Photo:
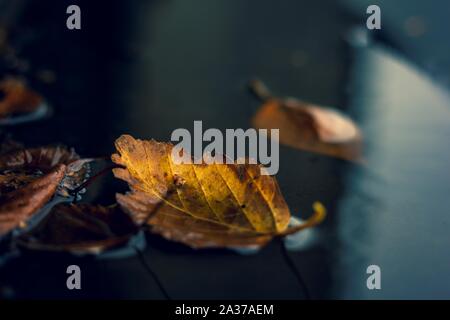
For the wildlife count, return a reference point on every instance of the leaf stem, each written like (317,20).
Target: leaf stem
(259,90)
(317,217)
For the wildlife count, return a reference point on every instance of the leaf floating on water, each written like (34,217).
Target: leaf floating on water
(43,158)
(201,205)
(233,195)
(17,206)
(29,178)
(80,228)
(17,98)
(308,127)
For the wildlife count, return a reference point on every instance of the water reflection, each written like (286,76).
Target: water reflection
(394,212)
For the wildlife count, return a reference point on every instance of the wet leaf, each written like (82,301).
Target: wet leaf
(17,206)
(29,178)
(17,98)
(82,228)
(308,127)
(43,158)
(202,205)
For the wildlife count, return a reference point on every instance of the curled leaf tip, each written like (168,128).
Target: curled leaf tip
(201,205)
(319,214)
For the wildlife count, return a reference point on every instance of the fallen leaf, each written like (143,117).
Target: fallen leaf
(201,205)
(307,126)
(29,178)
(81,228)
(43,158)
(17,98)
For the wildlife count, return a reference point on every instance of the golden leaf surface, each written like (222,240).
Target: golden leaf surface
(199,204)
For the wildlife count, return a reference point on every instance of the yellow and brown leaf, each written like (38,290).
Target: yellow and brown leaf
(202,205)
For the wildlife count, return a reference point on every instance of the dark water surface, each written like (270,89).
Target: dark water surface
(149,67)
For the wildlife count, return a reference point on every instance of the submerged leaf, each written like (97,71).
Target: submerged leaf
(202,205)
(80,228)
(308,127)
(29,178)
